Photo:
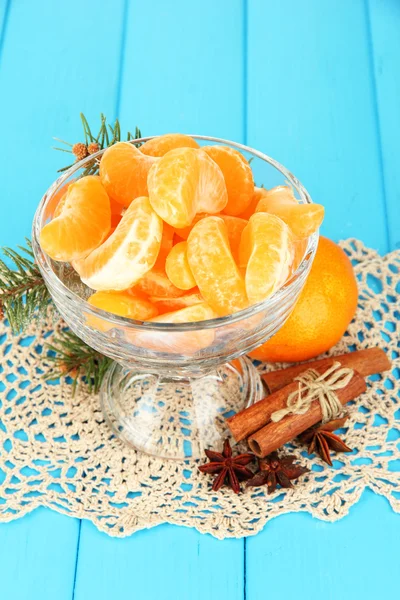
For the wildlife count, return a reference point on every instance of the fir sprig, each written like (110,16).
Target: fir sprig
(106,136)
(71,356)
(23,293)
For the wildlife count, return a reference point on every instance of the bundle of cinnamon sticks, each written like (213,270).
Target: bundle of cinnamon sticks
(265,435)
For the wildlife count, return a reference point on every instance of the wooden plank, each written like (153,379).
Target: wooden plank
(54,64)
(58,59)
(311,79)
(384,27)
(164,562)
(38,557)
(182,71)
(311,105)
(300,557)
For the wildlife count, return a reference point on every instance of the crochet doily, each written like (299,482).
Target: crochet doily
(57,451)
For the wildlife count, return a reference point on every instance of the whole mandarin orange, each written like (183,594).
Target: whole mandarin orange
(325,308)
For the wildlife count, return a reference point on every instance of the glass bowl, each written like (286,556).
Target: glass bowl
(172,386)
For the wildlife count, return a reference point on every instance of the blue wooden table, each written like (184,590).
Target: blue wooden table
(314,83)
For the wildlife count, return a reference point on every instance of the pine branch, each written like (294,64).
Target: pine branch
(71,356)
(107,136)
(23,293)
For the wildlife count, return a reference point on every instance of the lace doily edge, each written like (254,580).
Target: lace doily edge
(128,523)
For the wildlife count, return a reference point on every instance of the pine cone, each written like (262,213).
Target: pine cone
(80,151)
(93,148)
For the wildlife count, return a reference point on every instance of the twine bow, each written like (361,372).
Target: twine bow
(314,386)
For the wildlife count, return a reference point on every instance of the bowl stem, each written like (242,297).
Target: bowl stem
(177,418)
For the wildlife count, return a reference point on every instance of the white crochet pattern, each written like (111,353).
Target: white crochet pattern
(57,451)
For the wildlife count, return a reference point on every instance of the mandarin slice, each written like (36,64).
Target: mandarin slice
(128,253)
(116,209)
(259,193)
(115,220)
(214,268)
(54,205)
(123,304)
(167,241)
(60,205)
(184,231)
(83,222)
(183,183)
(238,177)
(196,312)
(123,172)
(300,247)
(156,283)
(171,304)
(234,227)
(180,342)
(303,219)
(159,146)
(266,250)
(177,267)
(176,239)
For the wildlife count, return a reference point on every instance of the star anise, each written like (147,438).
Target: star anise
(277,470)
(322,439)
(229,469)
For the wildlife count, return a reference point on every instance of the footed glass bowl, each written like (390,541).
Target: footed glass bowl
(172,386)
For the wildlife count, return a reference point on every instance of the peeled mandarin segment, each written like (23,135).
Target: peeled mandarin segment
(82,224)
(176,239)
(190,314)
(300,247)
(303,219)
(116,209)
(164,143)
(177,267)
(165,305)
(115,220)
(180,342)
(156,283)
(238,177)
(183,183)
(234,227)
(166,245)
(267,248)
(59,207)
(214,268)
(251,209)
(129,252)
(123,304)
(54,205)
(123,172)
(184,232)
(283,193)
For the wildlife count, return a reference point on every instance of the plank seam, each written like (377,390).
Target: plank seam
(77,558)
(244,568)
(375,103)
(4,26)
(121,68)
(245,69)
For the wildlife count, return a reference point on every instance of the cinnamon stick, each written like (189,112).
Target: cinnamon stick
(275,434)
(257,415)
(366,362)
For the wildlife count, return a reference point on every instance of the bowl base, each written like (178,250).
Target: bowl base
(177,418)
